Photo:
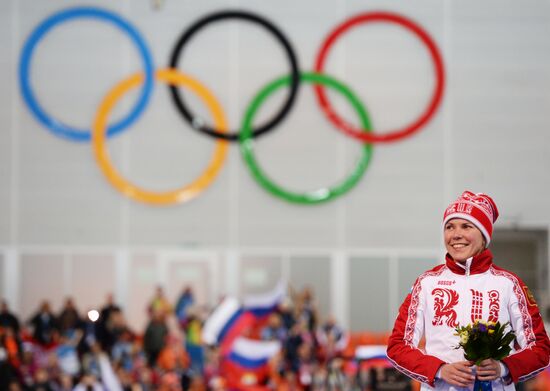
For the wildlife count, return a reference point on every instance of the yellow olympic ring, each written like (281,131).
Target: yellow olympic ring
(183,194)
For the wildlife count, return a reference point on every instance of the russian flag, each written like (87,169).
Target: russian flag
(225,324)
(250,353)
(217,324)
(247,364)
(261,305)
(229,320)
(372,356)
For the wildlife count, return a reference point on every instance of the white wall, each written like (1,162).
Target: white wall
(489,135)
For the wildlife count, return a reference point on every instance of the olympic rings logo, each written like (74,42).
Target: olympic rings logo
(245,134)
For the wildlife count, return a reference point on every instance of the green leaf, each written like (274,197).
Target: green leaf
(482,345)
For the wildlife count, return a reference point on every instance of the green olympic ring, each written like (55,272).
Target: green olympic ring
(314,196)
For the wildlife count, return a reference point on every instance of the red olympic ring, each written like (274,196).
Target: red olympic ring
(433,104)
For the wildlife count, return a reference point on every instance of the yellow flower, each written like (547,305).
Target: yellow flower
(491,331)
(463,337)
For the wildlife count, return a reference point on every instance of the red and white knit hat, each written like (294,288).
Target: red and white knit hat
(479,209)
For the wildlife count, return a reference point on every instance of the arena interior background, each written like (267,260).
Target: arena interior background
(65,231)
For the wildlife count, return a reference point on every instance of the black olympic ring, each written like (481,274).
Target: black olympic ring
(195,121)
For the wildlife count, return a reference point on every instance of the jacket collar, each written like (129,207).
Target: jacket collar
(475,265)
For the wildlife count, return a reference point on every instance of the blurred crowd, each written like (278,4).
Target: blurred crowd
(69,350)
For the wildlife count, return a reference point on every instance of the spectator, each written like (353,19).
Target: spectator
(28,364)
(104,326)
(274,329)
(123,350)
(108,308)
(7,369)
(292,345)
(193,346)
(330,338)
(118,329)
(65,383)
(172,357)
(307,365)
(306,309)
(185,301)
(155,335)
(89,336)
(66,353)
(69,319)
(286,311)
(42,381)
(44,324)
(8,319)
(159,304)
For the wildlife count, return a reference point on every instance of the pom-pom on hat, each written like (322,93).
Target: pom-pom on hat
(478,208)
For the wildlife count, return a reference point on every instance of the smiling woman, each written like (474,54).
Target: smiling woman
(468,288)
(462,239)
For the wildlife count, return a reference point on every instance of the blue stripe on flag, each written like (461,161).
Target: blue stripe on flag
(229,325)
(246,362)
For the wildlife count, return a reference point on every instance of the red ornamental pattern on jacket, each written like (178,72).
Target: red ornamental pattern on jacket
(494,305)
(446,299)
(477,305)
(444,302)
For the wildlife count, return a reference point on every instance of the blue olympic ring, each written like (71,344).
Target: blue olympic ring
(57,127)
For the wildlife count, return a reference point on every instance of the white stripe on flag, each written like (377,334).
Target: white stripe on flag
(254,349)
(364,352)
(218,319)
(266,300)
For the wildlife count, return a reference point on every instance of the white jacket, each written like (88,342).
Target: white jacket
(450,295)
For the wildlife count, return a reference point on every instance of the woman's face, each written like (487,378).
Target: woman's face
(462,239)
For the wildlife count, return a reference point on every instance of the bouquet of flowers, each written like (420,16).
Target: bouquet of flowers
(482,340)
